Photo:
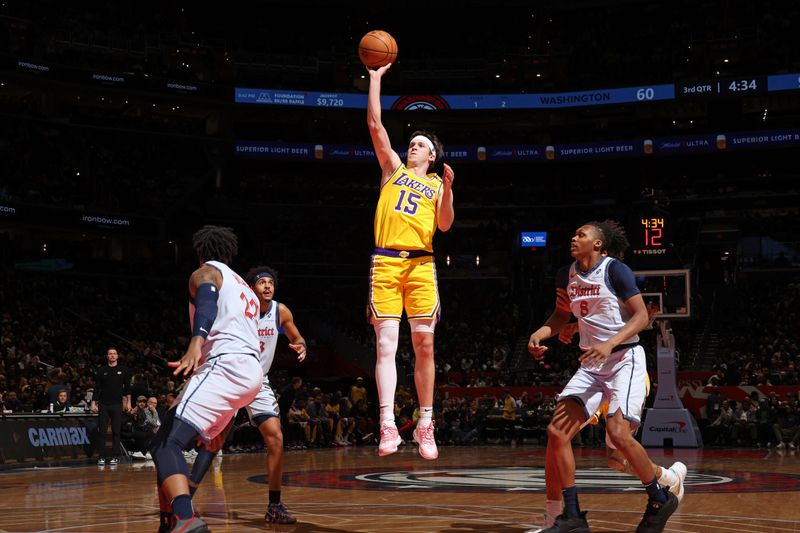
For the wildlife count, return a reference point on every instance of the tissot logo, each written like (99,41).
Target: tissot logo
(524,479)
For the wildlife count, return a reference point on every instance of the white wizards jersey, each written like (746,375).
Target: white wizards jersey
(594,302)
(235,329)
(268,325)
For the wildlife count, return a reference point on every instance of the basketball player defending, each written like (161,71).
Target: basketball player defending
(223,361)
(413,203)
(264,413)
(601,292)
(672,477)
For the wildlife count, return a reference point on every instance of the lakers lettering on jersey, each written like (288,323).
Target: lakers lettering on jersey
(406,215)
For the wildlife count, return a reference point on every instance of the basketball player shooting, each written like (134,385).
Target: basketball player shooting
(413,204)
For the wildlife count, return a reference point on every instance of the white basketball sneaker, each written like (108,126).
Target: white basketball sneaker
(680,470)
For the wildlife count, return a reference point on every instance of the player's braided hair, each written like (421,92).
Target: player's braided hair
(215,243)
(613,236)
(250,277)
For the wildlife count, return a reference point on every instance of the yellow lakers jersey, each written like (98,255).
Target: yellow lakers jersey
(406,217)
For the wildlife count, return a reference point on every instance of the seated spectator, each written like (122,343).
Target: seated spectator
(787,428)
(299,418)
(719,430)
(11,403)
(746,419)
(57,379)
(145,424)
(62,403)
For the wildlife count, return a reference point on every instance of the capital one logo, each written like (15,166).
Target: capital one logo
(673,426)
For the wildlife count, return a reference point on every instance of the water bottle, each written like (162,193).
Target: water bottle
(51,407)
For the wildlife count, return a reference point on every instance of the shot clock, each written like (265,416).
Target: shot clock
(649,236)
(652,232)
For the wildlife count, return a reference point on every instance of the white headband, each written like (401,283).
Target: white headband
(427,141)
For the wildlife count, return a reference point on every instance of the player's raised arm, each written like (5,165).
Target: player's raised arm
(387,158)
(445,211)
(296,341)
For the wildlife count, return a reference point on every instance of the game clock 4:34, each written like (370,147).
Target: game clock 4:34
(651,236)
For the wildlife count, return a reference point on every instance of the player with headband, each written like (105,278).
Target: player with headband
(414,202)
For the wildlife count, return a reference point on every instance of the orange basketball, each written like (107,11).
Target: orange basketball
(377,48)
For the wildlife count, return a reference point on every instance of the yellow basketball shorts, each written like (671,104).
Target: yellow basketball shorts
(397,283)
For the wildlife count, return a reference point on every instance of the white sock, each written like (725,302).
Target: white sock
(386,335)
(425,417)
(387,415)
(668,478)
(552,510)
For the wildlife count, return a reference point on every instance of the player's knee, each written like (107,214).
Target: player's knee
(621,437)
(274,441)
(423,344)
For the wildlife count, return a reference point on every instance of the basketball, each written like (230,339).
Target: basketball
(377,48)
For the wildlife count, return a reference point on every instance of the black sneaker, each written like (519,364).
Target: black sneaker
(277,514)
(569,525)
(656,514)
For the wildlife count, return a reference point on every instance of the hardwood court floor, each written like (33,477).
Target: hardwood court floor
(481,489)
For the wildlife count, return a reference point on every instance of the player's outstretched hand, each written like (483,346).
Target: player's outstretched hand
(190,360)
(537,350)
(596,355)
(378,72)
(448,176)
(301,351)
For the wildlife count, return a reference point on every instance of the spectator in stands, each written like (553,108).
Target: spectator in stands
(714,403)
(358,391)
(145,424)
(717,379)
(746,419)
(57,378)
(315,408)
(287,398)
(298,415)
(11,403)
(61,404)
(509,416)
(720,429)
(787,428)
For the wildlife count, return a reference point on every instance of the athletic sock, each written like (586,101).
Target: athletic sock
(655,492)
(274,496)
(425,417)
(387,415)
(553,509)
(571,507)
(182,506)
